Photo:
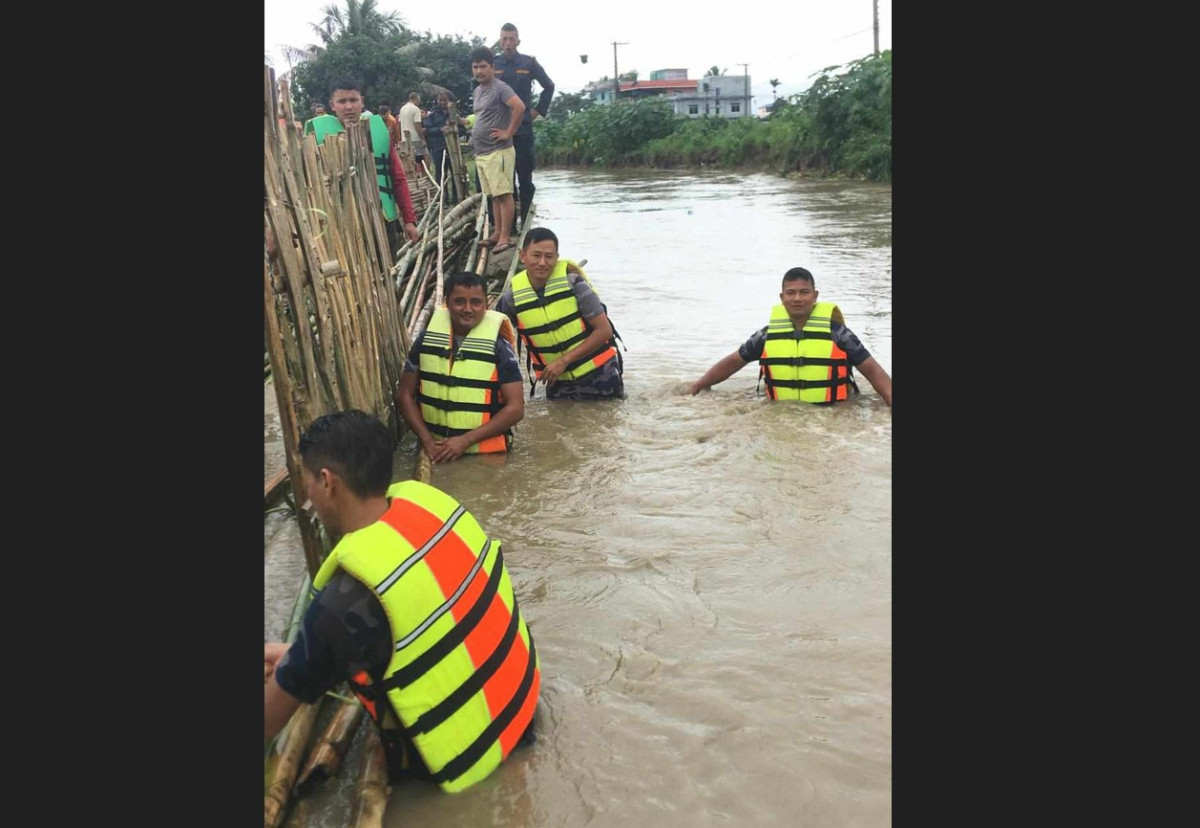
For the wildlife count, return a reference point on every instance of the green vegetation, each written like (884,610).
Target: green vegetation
(385,56)
(840,126)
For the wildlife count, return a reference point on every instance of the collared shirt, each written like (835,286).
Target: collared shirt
(520,73)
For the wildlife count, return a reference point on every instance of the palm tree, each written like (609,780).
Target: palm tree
(774,82)
(358,17)
(298,54)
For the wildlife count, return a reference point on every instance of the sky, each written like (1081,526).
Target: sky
(788,41)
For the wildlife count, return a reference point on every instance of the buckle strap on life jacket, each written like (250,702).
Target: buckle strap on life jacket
(451,381)
(802,384)
(383,169)
(448,706)
(552,326)
(803,333)
(460,764)
(447,405)
(801,361)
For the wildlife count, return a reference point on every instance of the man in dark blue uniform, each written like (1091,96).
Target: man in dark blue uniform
(520,71)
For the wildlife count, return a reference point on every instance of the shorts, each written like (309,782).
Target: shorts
(496,171)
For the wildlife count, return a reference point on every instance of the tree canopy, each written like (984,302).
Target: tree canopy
(385,56)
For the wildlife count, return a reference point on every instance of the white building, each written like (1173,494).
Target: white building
(718,96)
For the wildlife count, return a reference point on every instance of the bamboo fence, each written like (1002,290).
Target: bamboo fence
(340,312)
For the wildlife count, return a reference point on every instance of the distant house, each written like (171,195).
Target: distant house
(769,110)
(724,96)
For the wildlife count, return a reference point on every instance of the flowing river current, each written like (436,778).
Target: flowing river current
(707,579)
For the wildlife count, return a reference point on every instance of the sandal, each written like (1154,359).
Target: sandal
(500,248)
(486,242)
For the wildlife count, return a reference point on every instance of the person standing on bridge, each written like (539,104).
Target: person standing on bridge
(499,110)
(346,100)
(520,71)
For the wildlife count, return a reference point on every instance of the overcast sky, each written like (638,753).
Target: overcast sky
(785,40)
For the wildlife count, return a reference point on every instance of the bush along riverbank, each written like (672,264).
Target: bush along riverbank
(840,127)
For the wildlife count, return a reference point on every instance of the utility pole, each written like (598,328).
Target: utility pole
(875,3)
(746,85)
(616,80)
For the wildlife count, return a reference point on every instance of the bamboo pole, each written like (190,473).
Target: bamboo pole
(327,754)
(287,762)
(423,316)
(457,164)
(372,791)
(480,229)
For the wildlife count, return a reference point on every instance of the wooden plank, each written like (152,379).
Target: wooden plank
(275,486)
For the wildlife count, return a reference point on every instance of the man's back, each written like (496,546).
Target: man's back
(410,116)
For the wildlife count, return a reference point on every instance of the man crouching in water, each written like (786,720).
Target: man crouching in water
(414,608)
(563,323)
(462,370)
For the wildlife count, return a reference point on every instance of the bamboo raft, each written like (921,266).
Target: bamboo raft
(341,311)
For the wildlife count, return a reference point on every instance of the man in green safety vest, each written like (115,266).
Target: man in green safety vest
(346,101)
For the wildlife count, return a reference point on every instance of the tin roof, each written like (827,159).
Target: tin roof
(682,85)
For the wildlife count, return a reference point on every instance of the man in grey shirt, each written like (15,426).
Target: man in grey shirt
(498,113)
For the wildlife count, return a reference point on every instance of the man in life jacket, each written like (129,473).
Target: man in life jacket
(805,352)
(561,320)
(414,608)
(346,100)
(460,390)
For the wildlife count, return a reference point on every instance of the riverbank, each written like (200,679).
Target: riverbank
(746,169)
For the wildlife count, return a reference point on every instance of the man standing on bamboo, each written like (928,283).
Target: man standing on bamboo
(460,391)
(520,71)
(499,112)
(345,98)
(414,608)
(412,129)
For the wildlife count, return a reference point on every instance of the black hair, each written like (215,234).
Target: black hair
(353,445)
(465,279)
(344,82)
(483,53)
(539,234)
(798,273)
